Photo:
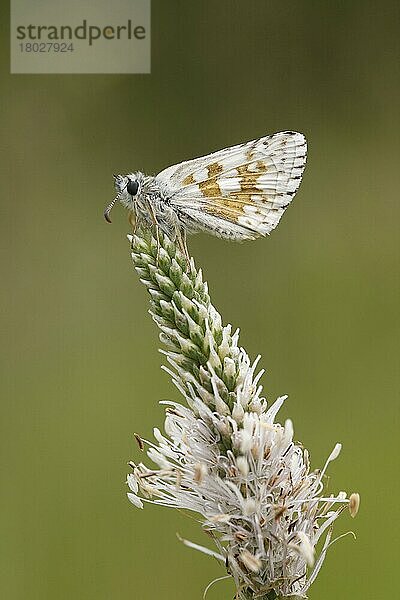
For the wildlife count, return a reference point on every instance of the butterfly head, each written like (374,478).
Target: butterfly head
(129,188)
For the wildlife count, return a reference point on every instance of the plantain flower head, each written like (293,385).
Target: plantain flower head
(223,454)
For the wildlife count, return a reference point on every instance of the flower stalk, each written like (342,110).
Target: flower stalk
(223,455)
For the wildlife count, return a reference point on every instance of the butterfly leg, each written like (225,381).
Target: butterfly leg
(156,227)
(134,221)
(185,248)
(181,239)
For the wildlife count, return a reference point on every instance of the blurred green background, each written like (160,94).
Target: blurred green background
(319,298)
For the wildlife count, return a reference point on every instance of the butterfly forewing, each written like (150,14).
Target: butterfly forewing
(239,192)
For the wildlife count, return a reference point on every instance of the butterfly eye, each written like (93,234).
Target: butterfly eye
(132,187)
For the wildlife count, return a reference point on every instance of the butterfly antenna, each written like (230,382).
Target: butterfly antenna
(108,210)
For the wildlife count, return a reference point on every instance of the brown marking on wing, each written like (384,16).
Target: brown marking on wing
(214,169)
(249,180)
(261,166)
(249,155)
(210,187)
(226,208)
(189,179)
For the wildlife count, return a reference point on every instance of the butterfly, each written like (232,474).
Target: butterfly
(239,193)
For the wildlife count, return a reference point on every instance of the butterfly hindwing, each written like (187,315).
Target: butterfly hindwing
(240,192)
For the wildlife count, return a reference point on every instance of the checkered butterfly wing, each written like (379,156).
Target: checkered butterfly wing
(239,192)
